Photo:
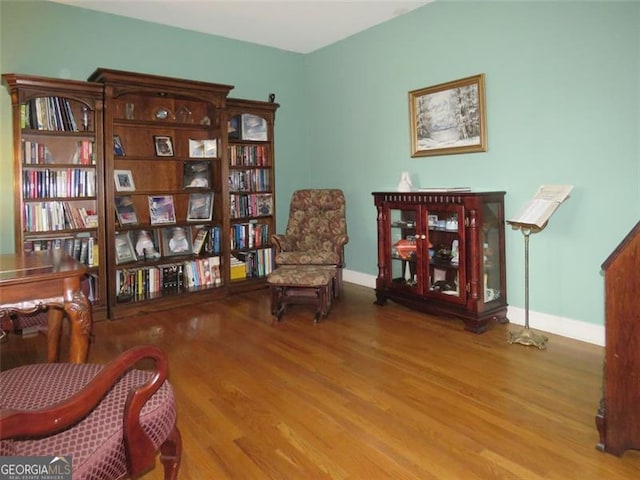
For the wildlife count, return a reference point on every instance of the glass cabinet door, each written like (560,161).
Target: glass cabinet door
(490,261)
(405,242)
(446,253)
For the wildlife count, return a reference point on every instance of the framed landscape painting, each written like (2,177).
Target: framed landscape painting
(448,118)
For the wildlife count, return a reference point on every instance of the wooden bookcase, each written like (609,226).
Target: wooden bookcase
(58,173)
(251,191)
(443,253)
(168,159)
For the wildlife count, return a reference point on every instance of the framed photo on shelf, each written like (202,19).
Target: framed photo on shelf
(176,241)
(124,249)
(124,181)
(448,118)
(264,204)
(200,207)
(203,148)
(196,174)
(164,146)
(253,127)
(161,210)
(118,148)
(125,210)
(146,244)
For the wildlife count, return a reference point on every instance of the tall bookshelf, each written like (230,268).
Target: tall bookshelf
(58,165)
(165,184)
(251,191)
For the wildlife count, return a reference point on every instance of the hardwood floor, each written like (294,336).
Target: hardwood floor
(369,393)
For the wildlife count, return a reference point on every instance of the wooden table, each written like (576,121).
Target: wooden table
(48,280)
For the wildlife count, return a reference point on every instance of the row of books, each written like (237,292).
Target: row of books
(141,283)
(39,153)
(257,180)
(251,205)
(250,155)
(46,216)
(49,113)
(258,263)
(207,240)
(249,235)
(58,183)
(202,272)
(83,249)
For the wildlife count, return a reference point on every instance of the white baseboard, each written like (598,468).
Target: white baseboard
(566,327)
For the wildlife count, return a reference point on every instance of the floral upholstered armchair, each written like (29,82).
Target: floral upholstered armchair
(316,231)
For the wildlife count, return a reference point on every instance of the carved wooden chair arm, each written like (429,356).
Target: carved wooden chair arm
(39,423)
(282,242)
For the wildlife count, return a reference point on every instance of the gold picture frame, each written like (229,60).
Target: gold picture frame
(449,118)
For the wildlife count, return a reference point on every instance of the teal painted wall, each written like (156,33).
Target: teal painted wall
(50,39)
(563,103)
(563,106)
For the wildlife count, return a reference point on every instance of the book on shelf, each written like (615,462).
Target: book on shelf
(537,211)
(445,189)
(238,269)
(49,113)
(198,241)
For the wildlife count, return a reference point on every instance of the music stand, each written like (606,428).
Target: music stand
(532,218)
(526,336)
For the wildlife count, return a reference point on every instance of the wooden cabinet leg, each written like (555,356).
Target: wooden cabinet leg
(54,331)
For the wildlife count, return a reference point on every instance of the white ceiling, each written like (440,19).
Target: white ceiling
(294,25)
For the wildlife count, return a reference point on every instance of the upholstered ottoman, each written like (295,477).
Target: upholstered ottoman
(296,284)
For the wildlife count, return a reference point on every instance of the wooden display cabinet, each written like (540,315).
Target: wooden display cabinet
(443,253)
(58,165)
(251,191)
(166,175)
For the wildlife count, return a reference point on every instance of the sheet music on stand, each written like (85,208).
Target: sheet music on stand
(537,211)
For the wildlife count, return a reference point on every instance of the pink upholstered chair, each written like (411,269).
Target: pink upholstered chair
(111,419)
(316,232)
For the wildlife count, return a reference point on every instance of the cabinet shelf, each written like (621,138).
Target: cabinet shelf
(29,132)
(160,125)
(450,265)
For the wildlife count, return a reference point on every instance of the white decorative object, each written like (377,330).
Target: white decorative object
(405,184)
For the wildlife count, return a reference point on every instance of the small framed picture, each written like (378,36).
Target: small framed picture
(124,181)
(146,244)
(125,210)
(203,148)
(164,146)
(197,174)
(118,148)
(200,206)
(253,127)
(161,210)
(176,241)
(124,249)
